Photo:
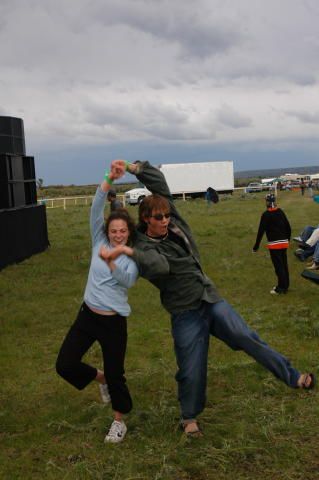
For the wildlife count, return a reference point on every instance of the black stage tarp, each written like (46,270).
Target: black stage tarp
(310,275)
(23,232)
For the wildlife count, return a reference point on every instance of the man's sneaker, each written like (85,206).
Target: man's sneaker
(116,433)
(276,291)
(304,246)
(104,391)
(297,239)
(299,253)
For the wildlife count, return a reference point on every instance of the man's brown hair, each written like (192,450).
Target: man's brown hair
(151,204)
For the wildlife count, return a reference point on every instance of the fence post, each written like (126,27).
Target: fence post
(64,203)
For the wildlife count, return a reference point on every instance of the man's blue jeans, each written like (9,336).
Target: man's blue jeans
(191,330)
(316,253)
(307,231)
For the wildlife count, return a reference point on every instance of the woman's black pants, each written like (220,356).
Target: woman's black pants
(111,333)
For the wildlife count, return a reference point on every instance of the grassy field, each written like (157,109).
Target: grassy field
(255,427)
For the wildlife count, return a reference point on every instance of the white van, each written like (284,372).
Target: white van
(136,195)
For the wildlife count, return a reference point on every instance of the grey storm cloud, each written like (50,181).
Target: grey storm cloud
(96,71)
(100,41)
(174,22)
(151,120)
(122,115)
(229,117)
(306,117)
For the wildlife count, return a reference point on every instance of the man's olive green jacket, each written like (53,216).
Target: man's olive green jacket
(177,273)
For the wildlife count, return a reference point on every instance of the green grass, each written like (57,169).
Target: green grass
(255,427)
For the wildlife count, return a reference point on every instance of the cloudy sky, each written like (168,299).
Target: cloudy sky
(163,80)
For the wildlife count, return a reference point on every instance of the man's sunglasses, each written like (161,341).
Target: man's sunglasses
(160,216)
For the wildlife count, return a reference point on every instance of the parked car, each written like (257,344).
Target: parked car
(254,187)
(136,195)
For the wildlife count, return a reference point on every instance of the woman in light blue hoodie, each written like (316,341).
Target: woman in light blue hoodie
(102,316)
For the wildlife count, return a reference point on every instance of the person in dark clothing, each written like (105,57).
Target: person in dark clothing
(115,204)
(275,224)
(211,196)
(166,254)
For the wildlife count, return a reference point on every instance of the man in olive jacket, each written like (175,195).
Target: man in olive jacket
(166,255)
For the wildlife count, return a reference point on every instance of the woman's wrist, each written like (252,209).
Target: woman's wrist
(108,178)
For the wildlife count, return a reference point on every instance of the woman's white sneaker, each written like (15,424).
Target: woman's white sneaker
(104,391)
(116,433)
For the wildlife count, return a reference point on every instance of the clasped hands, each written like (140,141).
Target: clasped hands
(118,169)
(111,254)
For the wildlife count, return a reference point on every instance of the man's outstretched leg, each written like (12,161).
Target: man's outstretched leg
(228,326)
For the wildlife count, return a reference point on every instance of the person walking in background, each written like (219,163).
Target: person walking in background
(102,316)
(211,196)
(302,186)
(310,191)
(275,224)
(167,255)
(114,202)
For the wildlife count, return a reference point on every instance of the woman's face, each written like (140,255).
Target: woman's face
(118,232)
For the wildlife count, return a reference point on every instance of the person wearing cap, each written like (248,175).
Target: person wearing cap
(275,224)
(115,204)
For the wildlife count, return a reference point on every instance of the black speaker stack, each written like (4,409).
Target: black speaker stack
(22,221)
(17,172)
